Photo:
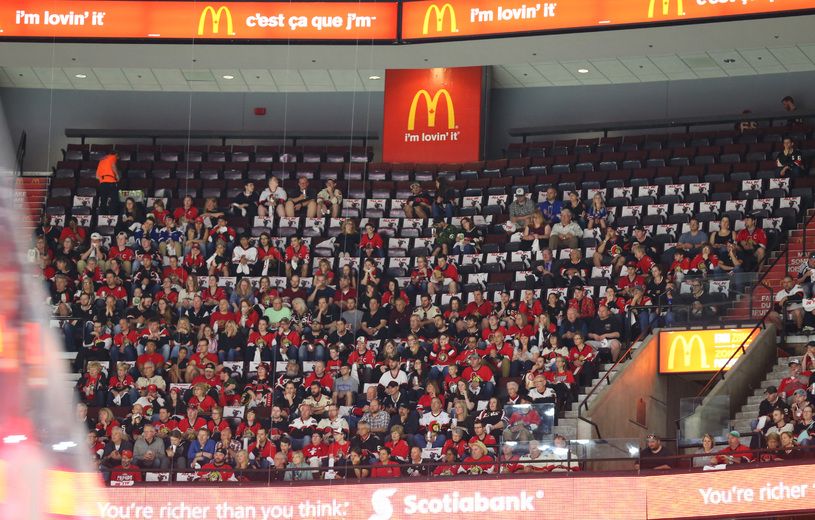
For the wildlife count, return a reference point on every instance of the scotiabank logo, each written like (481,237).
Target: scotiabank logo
(439,14)
(666,8)
(452,503)
(215,16)
(432,103)
(689,362)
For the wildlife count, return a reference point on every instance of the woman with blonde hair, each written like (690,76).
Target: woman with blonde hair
(705,452)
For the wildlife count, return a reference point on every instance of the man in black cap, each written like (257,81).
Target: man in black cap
(217,470)
(655,455)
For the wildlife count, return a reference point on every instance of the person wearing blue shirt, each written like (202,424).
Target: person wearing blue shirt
(201,449)
(552,206)
(170,237)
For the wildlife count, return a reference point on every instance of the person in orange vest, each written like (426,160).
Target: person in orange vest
(108,176)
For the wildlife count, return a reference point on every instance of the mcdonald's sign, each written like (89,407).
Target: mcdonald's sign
(216,19)
(433,115)
(700,350)
(666,8)
(432,104)
(439,15)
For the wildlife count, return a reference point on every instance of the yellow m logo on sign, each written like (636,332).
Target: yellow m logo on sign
(440,18)
(432,104)
(216,19)
(688,362)
(666,6)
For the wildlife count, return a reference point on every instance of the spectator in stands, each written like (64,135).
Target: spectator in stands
(107,173)
(597,215)
(806,275)
(790,160)
(655,455)
(604,334)
(705,453)
(418,204)
(753,240)
(535,235)
(302,199)
(521,209)
(273,199)
(245,203)
(329,200)
(734,453)
(791,109)
(794,381)
(552,206)
(565,232)
(445,237)
(788,303)
(149,450)
(692,240)
(443,200)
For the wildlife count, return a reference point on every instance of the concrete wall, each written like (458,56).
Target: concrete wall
(45,114)
(8,155)
(46,118)
(741,381)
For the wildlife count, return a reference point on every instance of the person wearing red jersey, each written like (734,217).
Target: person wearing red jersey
(479,307)
(150,355)
(450,464)
(194,261)
(385,467)
(320,376)
(398,446)
(316,453)
(157,334)
(457,442)
(297,258)
(477,371)
(125,474)
(419,277)
(175,273)
(200,401)
(288,339)
(530,306)
(371,243)
(793,381)
(625,284)
(262,451)
(478,462)
(187,212)
(221,232)
(217,470)
(112,287)
(480,434)
(499,354)
(221,315)
(189,425)
(447,269)
(364,359)
(734,453)
(261,339)
(582,302)
(119,386)
(122,253)
(562,381)
(582,358)
(165,423)
(752,239)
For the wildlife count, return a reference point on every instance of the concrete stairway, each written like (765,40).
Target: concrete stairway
(772,273)
(30,194)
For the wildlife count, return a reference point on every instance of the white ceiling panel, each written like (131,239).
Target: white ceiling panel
(762,61)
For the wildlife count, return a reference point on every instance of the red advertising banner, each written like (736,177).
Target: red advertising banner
(432,115)
(187,20)
(585,496)
(434,19)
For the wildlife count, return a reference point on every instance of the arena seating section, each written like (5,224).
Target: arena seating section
(658,181)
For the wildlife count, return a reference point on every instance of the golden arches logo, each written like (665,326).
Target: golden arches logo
(440,12)
(688,361)
(216,19)
(432,104)
(666,7)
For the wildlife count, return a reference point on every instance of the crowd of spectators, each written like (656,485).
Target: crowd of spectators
(178,318)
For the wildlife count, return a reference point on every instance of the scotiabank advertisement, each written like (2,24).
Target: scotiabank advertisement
(433,115)
(758,490)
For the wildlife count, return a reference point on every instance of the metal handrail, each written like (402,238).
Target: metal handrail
(497,461)
(21,148)
(739,350)
(686,123)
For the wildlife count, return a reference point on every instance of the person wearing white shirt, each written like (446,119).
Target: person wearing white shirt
(244,256)
(272,199)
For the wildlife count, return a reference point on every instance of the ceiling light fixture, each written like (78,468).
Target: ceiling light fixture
(228,76)
(583,71)
(374,77)
(81,76)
